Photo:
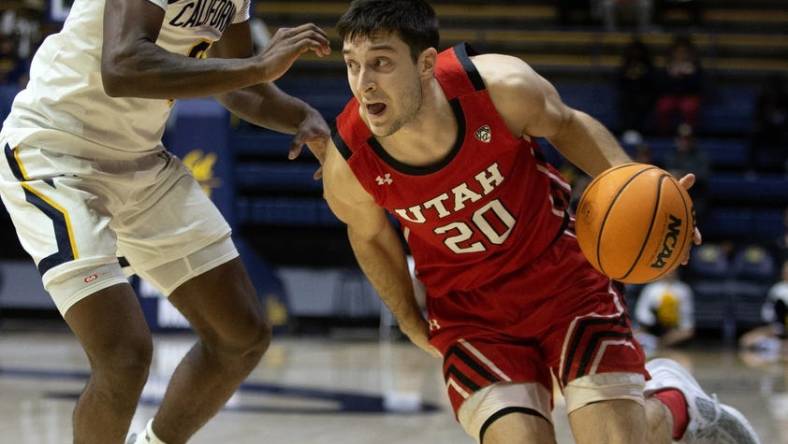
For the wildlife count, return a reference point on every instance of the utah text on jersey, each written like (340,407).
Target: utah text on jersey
(487,181)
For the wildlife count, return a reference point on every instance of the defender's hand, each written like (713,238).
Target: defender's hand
(418,333)
(687,182)
(313,131)
(287,45)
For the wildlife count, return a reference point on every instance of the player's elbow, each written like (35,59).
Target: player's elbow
(112,87)
(114,80)
(116,76)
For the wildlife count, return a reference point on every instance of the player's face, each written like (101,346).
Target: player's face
(385,80)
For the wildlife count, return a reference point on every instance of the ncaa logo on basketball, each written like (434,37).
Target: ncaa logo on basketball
(484,134)
(669,243)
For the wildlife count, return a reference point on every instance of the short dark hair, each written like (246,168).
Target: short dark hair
(413,20)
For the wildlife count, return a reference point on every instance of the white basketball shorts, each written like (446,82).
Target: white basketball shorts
(76,215)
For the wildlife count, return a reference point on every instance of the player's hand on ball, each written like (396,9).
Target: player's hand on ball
(287,45)
(418,333)
(313,131)
(687,182)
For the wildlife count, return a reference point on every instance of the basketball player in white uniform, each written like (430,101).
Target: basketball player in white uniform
(86,180)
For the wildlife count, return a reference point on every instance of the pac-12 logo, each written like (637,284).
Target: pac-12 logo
(201,165)
(484,134)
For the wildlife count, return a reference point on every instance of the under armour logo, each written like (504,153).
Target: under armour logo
(434,324)
(384,180)
(484,133)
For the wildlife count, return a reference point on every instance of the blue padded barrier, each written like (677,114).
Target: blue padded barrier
(286,211)
(277,176)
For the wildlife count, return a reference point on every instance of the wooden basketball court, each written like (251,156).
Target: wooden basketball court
(322,391)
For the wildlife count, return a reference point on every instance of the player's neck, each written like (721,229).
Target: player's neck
(430,136)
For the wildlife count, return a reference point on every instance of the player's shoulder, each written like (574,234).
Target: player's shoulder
(339,180)
(501,71)
(514,88)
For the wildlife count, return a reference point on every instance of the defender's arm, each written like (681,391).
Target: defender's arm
(264,104)
(132,65)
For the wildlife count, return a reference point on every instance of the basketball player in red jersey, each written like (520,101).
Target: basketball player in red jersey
(444,143)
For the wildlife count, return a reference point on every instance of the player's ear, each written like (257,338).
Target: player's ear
(426,63)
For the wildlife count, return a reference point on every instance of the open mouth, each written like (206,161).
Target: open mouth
(376,109)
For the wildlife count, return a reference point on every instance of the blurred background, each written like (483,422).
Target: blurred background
(689,85)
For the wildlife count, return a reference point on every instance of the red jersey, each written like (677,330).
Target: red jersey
(486,210)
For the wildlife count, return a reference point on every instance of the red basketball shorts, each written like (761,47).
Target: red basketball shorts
(557,316)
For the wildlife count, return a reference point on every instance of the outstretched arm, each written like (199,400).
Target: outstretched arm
(376,246)
(266,105)
(531,106)
(132,65)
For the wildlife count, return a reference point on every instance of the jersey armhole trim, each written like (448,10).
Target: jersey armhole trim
(463,52)
(342,147)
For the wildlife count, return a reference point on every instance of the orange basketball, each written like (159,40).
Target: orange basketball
(635,223)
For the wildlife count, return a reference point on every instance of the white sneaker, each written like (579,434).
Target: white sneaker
(709,421)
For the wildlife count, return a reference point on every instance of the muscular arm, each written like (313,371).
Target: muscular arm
(263,104)
(132,65)
(531,106)
(375,243)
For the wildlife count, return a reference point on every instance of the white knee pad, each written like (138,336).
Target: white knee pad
(486,405)
(603,387)
(82,281)
(167,277)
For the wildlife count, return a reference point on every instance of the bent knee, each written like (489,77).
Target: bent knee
(125,361)
(249,337)
(508,413)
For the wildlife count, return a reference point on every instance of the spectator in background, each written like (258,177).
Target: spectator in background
(25,24)
(636,86)
(643,154)
(12,67)
(638,148)
(687,158)
(769,149)
(771,340)
(665,313)
(681,86)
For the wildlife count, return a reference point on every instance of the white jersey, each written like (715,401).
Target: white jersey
(65,98)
